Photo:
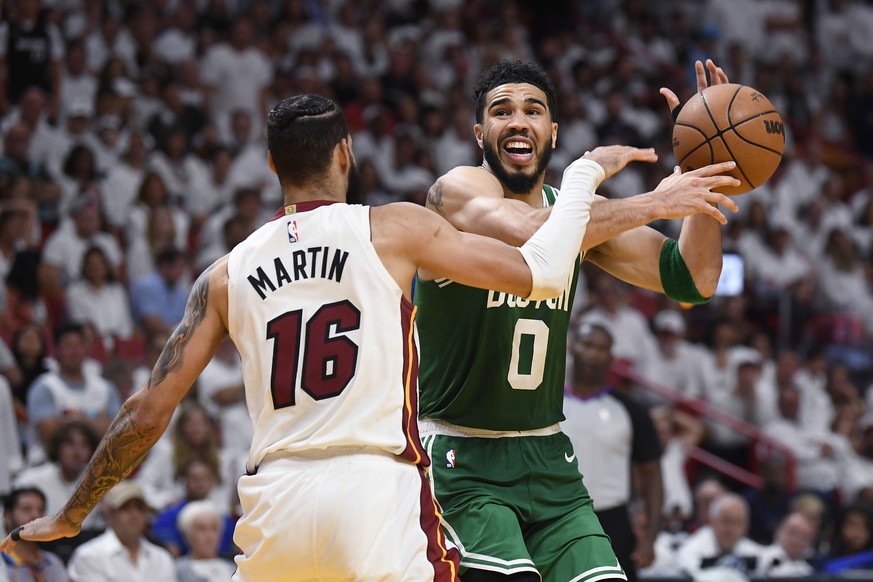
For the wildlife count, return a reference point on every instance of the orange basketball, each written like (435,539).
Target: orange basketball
(730,122)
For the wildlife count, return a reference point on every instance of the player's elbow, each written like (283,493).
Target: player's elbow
(706,277)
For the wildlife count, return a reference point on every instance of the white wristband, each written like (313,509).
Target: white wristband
(552,251)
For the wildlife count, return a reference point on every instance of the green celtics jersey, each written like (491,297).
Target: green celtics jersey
(491,360)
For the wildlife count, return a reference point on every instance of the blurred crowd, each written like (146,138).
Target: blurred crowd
(133,154)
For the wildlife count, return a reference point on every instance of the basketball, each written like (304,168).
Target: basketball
(730,122)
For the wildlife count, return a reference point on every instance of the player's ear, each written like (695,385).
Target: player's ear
(480,135)
(554,135)
(344,152)
(270,163)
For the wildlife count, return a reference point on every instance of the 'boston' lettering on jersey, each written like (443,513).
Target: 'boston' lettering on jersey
(499,298)
(304,264)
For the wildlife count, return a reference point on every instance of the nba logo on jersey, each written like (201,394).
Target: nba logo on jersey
(450,458)
(292,231)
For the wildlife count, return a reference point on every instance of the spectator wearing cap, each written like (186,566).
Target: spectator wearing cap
(158,299)
(65,248)
(676,362)
(27,562)
(123,553)
(201,526)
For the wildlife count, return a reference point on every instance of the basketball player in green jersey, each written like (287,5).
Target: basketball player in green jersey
(492,372)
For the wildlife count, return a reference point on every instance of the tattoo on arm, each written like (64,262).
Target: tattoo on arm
(435,198)
(171,357)
(123,447)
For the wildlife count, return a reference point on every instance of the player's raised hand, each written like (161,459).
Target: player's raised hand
(614,158)
(44,529)
(717,77)
(680,195)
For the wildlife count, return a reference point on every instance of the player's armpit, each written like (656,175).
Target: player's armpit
(633,257)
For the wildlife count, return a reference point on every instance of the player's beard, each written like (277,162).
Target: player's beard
(517,182)
(355,189)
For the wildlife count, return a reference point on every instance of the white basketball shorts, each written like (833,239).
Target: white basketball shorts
(360,516)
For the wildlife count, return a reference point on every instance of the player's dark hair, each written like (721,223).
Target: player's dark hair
(302,132)
(513,71)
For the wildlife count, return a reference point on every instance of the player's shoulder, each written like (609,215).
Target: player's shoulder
(469,180)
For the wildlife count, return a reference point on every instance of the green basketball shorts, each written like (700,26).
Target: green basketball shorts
(515,504)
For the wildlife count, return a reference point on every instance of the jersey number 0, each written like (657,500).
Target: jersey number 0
(329,361)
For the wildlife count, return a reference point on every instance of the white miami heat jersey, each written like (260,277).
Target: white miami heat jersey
(328,345)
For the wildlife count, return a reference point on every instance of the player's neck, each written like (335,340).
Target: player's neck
(313,193)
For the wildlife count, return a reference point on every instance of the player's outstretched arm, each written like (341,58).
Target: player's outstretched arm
(145,415)
(472,200)
(636,256)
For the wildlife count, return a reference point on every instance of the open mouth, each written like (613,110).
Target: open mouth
(518,150)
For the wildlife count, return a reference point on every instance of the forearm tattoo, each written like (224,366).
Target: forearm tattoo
(171,356)
(123,447)
(127,441)
(435,198)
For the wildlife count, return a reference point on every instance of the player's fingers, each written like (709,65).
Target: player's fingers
(644,155)
(670,96)
(714,169)
(721,199)
(700,70)
(714,212)
(722,76)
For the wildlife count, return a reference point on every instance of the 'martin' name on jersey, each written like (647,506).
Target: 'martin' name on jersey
(322,262)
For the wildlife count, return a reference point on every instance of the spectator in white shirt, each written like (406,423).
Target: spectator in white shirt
(221,391)
(788,555)
(123,552)
(237,75)
(679,433)
(723,543)
(64,250)
(634,341)
(676,361)
(820,455)
(97,298)
(123,180)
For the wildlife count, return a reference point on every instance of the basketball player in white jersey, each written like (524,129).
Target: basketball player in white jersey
(318,303)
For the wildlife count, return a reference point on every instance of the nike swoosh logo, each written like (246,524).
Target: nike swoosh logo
(569,458)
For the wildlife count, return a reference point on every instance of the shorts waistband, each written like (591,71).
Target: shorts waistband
(430,426)
(305,458)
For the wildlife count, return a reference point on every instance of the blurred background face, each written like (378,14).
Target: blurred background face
(70,352)
(592,354)
(204,536)
(196,428)
(28,507)
(74,453)
(730,524)
(855,532)
(129,521)
(796,536)
(199,481)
